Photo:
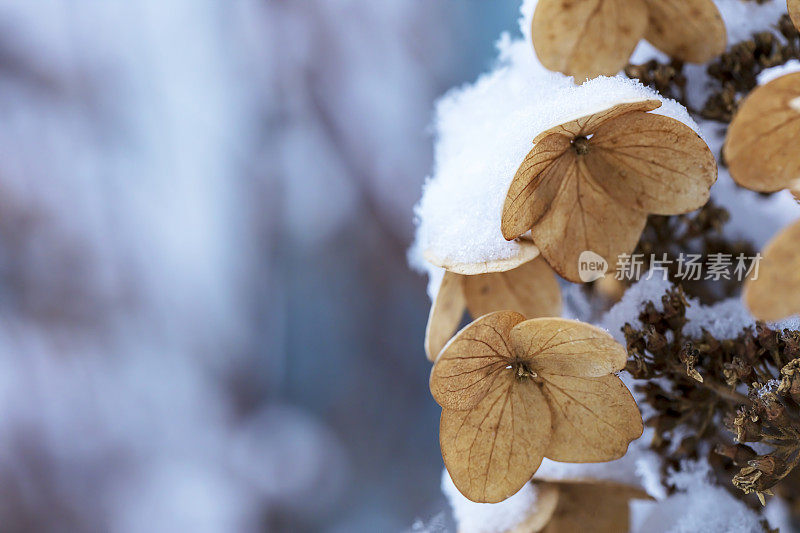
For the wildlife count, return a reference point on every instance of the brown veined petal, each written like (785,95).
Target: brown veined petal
(794,12)
(594,419)
(583,217)
(761,147)
(587,38)
(473,360)
(547,496)
(446,312)
(527,252)
(652,163)
(600,508)
(563,347)
(775,293)
(586,125)
(534,186)
(531,289)
(493,449)
(689,30)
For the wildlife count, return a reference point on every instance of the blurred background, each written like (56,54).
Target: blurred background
(207,322)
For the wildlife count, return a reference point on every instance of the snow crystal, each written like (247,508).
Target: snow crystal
(488,517)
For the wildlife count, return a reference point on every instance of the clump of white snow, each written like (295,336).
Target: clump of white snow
(488,517)
(791,66)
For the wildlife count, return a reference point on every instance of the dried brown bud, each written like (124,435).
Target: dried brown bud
(689,357)
(790,381)
(740,454)
(746,428)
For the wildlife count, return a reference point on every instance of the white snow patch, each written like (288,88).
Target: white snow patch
(488,517)
(791,66)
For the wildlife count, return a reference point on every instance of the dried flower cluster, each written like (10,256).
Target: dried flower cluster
(590,184)
(517,385)
(589,38)
(514,391)
(716,396)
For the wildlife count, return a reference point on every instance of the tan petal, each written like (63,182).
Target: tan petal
(531,289)
(652,163)
(446,313)
(562,347)
(594,419)
(547,496)
(761,147)
(794,12)
(600,508)
(584,217)
(587,125)
(534,186)
(473,360)
(587,38)
(775,294)
(527,252)
(493,449)
(689,30)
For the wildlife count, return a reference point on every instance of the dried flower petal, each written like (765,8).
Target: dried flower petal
(473,361)
(589,37)
(446,313)
(531,289)
(493,449)
(775,294)
(688,30)
(565,347)
(597,507)
(652,163)
(761,147)
(794,12)
(527,252)
(547,497)
(589,184)
(594,418)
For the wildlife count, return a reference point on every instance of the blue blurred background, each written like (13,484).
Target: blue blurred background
(207,322)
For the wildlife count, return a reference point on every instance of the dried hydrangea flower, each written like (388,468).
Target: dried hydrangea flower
(775,294)
(530,288)
(589,38)
(794,12)
(514,391)
(589,184)
(761,147)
